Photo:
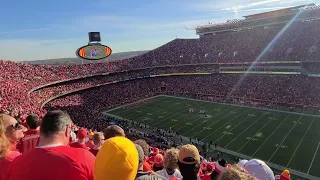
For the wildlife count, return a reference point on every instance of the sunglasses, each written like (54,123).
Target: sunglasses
(16,126)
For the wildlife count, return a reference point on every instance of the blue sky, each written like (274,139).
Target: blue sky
(40,29)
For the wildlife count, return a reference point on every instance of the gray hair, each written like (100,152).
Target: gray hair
(54,122)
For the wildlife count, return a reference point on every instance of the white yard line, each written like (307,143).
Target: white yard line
(224,125)
(264,109)
(159,108)
(218,120)
(129,104)
(284,138)
(300,143)
(173,115)
(314,156)
(199,124)
(244,130)
(257,132)
(270,135)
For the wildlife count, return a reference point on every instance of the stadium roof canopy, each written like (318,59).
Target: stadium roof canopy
(277,12)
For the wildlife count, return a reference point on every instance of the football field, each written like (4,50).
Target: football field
(287,139)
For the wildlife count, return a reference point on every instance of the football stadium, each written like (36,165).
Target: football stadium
(240,101)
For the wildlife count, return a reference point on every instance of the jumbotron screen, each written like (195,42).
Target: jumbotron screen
(94,52)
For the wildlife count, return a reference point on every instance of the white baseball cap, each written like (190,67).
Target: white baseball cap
(243,162)
(259,169)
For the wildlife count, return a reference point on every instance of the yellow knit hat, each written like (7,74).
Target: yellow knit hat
(117,160)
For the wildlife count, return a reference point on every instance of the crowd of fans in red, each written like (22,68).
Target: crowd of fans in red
(76,153)
(297,42)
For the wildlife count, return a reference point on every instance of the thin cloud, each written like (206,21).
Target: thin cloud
(24,30)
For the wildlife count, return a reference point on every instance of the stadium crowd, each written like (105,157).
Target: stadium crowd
(89,148)
(77,153)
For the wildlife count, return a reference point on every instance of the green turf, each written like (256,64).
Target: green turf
(283,138)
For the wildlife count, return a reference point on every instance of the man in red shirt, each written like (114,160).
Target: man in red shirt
(52,159)
(98,140)
(32,136)
(145,147)
(81,143)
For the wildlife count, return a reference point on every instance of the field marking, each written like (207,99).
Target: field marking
(148,110)
(173,115)
(225,124)
(285,138)
(314,156)
(215,123)
(136,102)
(244,130)
(130,111)
(257,131)
(264,109)
(300,142)
(270,135)
(199,124)
(197,119)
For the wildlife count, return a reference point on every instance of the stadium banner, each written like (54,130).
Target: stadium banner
(257,72)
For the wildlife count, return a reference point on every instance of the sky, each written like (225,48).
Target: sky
(38,29)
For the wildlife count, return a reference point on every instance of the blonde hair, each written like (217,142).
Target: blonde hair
(171,158)
(4,142)
(97,137)
(236,173)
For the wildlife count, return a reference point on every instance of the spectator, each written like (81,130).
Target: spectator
(90,143)
(170,165)
(81,143)
(10,130)
(242,162)
(113,131)
(158,162)
(285,175)
(145,147)
(220,166)
(259,169)
(145,175)
(189,162)
(32,136)
(68,163)
(98,140)
(150,160)
(208,171)
(236,173)
(117,159)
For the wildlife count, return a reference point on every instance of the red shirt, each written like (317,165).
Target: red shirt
(206,177)
(5,162)
(94,151)
(151,160)
(29,141)
(147,167)
(78,145)
(90,144)
(52,163)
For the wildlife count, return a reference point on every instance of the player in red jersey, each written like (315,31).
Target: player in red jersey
(81,143)
(32,136)
(52,159)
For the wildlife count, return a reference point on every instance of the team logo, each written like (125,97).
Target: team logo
(94,52)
